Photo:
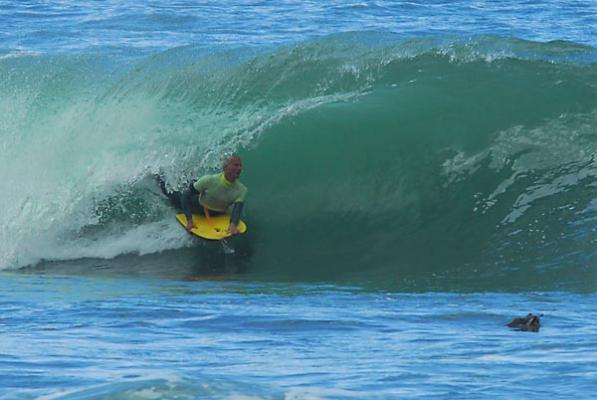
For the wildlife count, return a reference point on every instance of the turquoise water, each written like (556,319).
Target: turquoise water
(419,174)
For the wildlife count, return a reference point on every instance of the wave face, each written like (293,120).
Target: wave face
(426,164)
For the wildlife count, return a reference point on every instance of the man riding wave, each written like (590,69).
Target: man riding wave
(216,194)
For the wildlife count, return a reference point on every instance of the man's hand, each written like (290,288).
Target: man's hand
(233,229)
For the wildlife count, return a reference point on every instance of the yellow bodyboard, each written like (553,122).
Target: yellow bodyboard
(214,228)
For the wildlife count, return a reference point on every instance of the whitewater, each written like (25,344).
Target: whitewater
(419,174)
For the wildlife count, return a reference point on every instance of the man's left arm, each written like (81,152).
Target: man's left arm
(237,209)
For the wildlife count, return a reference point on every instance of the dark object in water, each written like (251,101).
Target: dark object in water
(530,323)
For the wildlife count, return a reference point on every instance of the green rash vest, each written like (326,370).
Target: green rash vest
(217,193)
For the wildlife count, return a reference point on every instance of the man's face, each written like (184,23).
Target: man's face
(233,168)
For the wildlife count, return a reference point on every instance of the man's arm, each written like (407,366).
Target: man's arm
(237,209)
(188,196)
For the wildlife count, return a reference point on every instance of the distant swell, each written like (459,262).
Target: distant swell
(428,165)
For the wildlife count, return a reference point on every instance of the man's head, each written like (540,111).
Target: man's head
(233,166)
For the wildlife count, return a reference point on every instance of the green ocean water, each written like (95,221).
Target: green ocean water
(419,173)
(400,164)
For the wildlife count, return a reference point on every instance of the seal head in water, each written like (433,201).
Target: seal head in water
(530,323)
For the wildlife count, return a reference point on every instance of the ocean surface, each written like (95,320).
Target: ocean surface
(420,173)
